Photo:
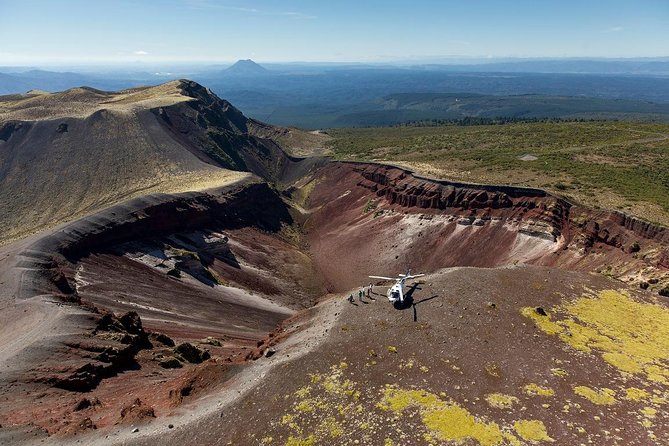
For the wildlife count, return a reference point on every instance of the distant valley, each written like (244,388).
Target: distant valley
(323,96)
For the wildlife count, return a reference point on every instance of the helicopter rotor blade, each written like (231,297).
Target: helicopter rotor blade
(381,277)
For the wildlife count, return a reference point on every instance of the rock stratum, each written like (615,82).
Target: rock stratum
(218,315)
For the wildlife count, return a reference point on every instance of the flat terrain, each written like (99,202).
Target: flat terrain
(620,165)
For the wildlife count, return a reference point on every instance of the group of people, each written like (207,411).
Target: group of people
(367,290)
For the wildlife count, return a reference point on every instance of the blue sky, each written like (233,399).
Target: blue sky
(100,31)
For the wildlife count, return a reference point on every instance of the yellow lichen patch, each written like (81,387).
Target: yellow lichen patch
(657,374)
(532,430)
(500,400)
(300,441)
(333,409)
(630,335)
(320,411)
(658,398)
(493,369)
(543,322)
(333,382)
(304,406)
(622,362)
(603,397)
(535,389)
(634,394)
(649,412)
(392,349)
(397,400)
(303,392)
(560,373)
(453,423)
(331,428)
(408,364)
(446,420)
(287,419)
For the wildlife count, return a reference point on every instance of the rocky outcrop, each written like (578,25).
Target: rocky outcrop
(402,187)
(49,262)
(9,128)
(110,349)
(190,353)
(547,216)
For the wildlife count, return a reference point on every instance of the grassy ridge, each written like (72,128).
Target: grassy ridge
(623,165)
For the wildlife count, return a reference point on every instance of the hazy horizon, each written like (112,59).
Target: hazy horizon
(77,32)
(406,62)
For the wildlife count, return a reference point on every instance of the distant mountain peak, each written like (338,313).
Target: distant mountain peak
(245,67)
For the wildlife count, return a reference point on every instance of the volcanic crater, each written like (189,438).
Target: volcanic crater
(166,303)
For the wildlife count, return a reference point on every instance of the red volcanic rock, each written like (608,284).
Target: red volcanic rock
(136,412)
(408,190)
(109,350)
(85,403)
(431,224)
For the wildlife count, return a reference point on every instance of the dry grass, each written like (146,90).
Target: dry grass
(296,142)
(30,221)
(82,102)
(49,178)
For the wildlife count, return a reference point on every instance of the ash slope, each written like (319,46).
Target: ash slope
(68,154)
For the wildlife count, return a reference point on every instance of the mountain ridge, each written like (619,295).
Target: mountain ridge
(173,137)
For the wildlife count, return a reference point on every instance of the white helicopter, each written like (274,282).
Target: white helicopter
(396,292)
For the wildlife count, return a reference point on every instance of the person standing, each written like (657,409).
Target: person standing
(360,294)
(369,290)
(350,298)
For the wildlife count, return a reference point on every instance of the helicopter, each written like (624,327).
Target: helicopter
(396,292)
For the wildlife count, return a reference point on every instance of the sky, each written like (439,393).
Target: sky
(112,31)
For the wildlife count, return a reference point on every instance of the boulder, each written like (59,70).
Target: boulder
(162,338)
(191,353)
(171,363)
(211,341)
